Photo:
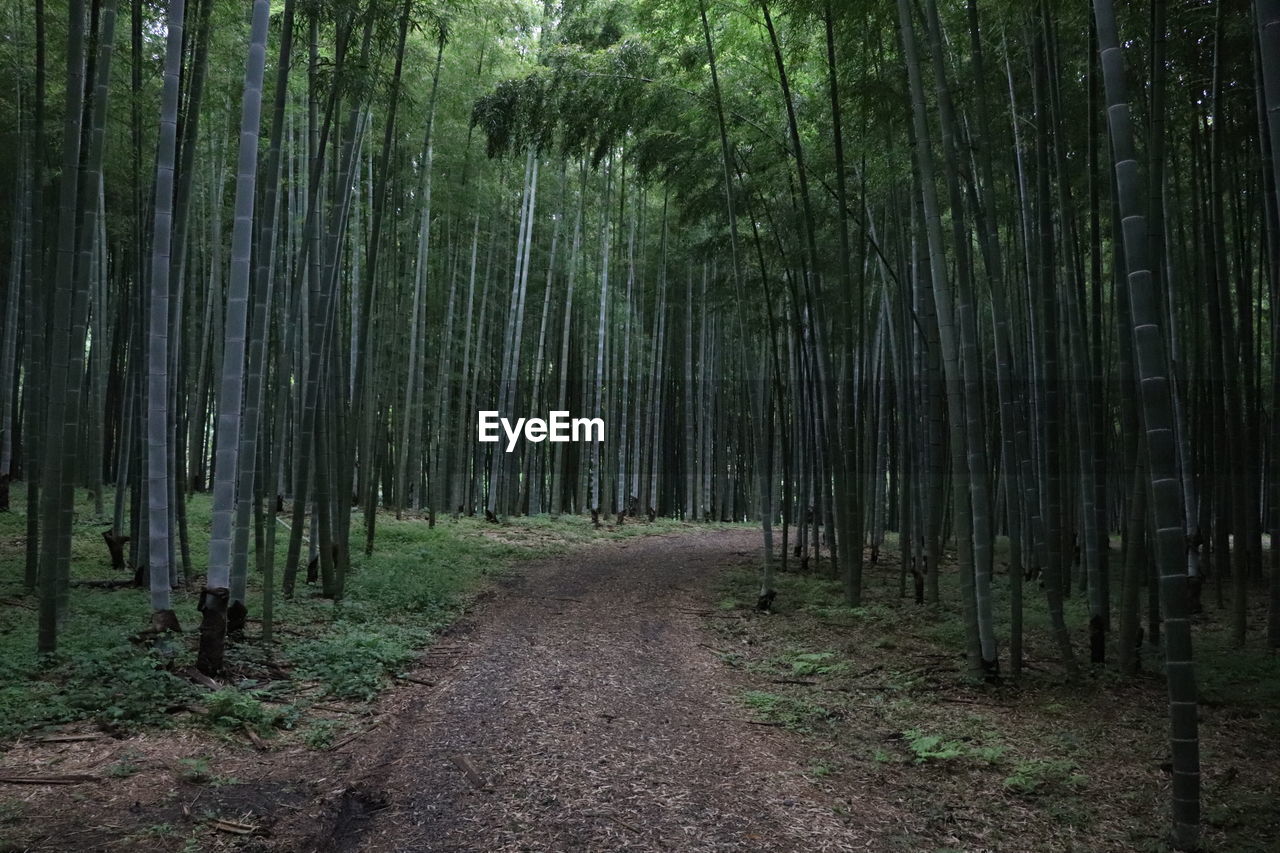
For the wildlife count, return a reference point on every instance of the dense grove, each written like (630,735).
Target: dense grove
(972,273)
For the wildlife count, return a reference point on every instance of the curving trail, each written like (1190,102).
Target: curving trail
(580,709)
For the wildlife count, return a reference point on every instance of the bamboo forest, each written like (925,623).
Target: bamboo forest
(639,425)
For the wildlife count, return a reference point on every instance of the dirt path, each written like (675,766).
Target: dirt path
(576,710)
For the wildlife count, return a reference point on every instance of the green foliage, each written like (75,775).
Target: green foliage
(122,686)
(1245,677)
(873,613)
(932,747)
(816,663)
(97,674)
(730,658)
(421,575)
(820,769)
(948,633)
(197,771)
(320,734)
(126,766)
(1250,817)
(796,715)
(353,663)
(193,770)
(397,600)
(1041,775)
(232,709)
(929,747)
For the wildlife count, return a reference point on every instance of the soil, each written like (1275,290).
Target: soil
(581,709)
(627,696)
(579,706)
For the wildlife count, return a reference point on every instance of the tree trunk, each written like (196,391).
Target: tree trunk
(1166,495)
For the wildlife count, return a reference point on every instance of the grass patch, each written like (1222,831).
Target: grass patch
(1041,775)
(231,709)
(198,771)
(126,766)
(925,746)
(120,688)
(803,664)
(352,662)
(903,729)
(398,599)
(1240,677)
(321,734)
(792,714)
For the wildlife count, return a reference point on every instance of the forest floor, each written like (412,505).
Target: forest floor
(575,706)
(881,700)
(623,695)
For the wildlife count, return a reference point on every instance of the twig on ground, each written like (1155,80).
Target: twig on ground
(258,743)
(69,779)
(232,826)
(349,738)
(463,763)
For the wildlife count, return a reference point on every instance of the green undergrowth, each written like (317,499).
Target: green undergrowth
(881,701)
(549,534)
(109,673)
(933,747)
(797,715)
